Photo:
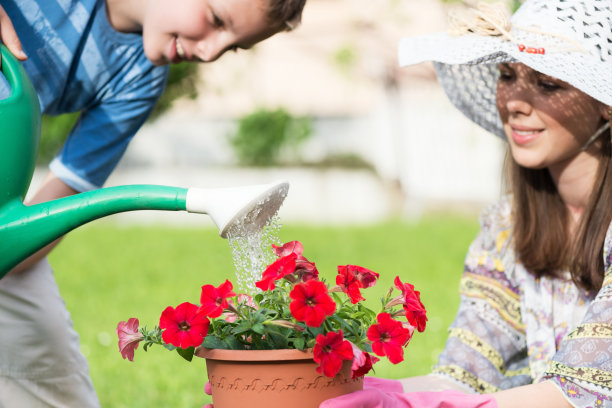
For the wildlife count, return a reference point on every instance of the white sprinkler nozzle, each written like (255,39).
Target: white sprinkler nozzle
(238,211)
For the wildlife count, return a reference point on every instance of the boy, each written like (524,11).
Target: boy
(108,60)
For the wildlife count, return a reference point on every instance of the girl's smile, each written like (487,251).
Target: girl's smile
(522,135)
(547,121)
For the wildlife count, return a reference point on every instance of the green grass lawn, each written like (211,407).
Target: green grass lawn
(108,273)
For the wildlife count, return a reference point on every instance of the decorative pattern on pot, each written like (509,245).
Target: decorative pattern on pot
(272,379)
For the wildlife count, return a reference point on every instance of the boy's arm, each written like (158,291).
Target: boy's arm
(50,189)
(8,36)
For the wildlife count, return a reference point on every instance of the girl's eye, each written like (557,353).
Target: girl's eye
(505,76)
(548,85)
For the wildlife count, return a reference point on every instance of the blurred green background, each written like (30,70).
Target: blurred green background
(107,273)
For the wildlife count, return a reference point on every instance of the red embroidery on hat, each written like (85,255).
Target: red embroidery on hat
(531,50)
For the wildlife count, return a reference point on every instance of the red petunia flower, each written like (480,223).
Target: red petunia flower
(277,270)
(366,277)
(416,317)
(349,284)
(329,351)
(129,337)
(214,300)
(311,303)
(304,269)
(362,362)
(388,337)
(351,278)
(184,327)
(411,301)
(293,247)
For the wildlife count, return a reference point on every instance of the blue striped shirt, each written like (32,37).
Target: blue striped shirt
(78,62)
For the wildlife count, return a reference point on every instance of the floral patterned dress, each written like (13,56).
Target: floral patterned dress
(513,329)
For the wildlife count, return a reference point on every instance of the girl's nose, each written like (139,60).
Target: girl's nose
(517,105)
(518,98)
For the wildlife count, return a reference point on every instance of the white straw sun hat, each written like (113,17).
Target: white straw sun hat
(567,39)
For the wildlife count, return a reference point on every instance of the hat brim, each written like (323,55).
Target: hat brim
(467,70)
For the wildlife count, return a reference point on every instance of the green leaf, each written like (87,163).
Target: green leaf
(259,328)
(241,328)
(169,346)
(213,342)
(233,343)
(299,343)
(280,341)
(187,353)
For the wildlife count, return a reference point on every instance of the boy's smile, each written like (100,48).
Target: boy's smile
(193,30)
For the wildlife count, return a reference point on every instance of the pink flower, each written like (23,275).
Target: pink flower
(362,362)
(329,351)
(184,327)
(241,298)
(311,303)
(275,271)
(411,301)
(129,337)
(214,300)
(388,337)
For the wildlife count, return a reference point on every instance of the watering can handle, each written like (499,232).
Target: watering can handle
(20,121)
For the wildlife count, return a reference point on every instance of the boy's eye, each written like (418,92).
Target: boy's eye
(217,22)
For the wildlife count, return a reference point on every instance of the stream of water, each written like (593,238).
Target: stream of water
(252,252)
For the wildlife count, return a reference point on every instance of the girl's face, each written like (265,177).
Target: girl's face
(546,121)
(202,30)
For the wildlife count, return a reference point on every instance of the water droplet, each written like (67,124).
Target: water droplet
(252,253)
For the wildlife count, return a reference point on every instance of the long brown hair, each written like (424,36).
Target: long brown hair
(541,223)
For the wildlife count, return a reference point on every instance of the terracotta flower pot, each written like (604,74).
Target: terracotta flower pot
(272,379)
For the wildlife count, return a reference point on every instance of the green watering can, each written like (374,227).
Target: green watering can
(25,229)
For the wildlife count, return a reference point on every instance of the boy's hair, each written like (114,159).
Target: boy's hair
(542,239)
(285,13)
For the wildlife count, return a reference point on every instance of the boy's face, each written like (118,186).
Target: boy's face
(202,30)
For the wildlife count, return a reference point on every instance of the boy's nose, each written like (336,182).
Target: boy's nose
(209,52)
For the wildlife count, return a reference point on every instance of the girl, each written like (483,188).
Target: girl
(534,327)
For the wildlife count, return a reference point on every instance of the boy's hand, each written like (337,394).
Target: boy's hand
(8,36)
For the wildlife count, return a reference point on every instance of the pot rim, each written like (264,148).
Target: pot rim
(253,355)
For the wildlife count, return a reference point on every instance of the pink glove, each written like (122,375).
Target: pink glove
(208,390)
(374,398)
(383,384)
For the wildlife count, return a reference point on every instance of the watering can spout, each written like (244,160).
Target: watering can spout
(235,211)
(238,211)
